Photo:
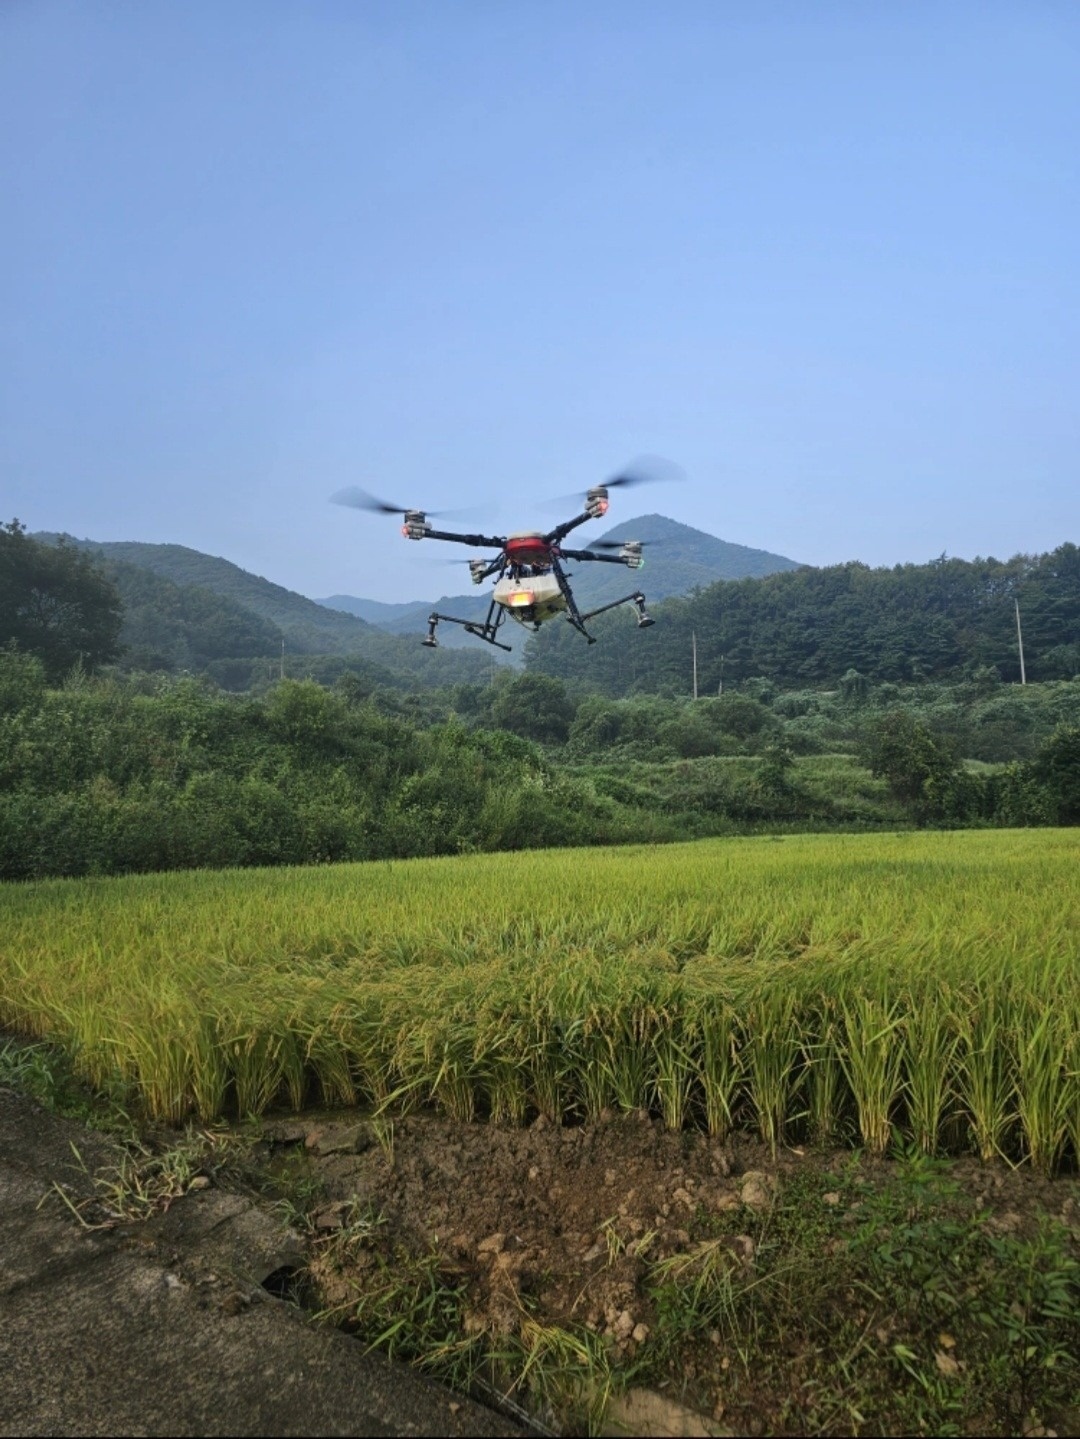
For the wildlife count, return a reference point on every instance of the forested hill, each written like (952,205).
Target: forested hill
(808,627)
(684,558)
(168,626)
(186,610)
(679,558)
(309,628)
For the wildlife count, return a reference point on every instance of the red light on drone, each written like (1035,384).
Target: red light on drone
(602,506)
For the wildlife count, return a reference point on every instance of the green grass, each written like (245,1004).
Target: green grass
(885,1306)
(870,986)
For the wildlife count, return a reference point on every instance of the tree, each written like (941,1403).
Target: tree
(56,603)
(774,770)
(919,767)
(22,681)
(536,706)
(1056,767)
(854,687)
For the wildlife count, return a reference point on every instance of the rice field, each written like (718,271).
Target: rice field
(866,988)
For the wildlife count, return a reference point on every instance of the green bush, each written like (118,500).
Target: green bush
(1056,769)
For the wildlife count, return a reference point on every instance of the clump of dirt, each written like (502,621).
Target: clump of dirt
(563,1221)
(577,1227)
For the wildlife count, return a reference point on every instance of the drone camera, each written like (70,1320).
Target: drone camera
(416,525)
(596,502)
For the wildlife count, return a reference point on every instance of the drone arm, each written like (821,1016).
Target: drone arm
(564,529)
(484,542)
(588,555)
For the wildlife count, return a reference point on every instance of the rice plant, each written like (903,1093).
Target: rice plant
(926,981)
(872,1056)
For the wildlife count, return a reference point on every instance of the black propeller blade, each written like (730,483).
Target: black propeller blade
(646,470)
(621,544)
(357,499)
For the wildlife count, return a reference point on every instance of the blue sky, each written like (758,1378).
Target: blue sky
(824,256)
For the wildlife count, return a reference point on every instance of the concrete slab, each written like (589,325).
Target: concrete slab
(124,1331)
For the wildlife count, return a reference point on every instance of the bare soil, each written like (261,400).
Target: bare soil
(569,1226)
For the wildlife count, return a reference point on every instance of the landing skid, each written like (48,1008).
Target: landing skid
(637,599)
(485,631)
(496,615)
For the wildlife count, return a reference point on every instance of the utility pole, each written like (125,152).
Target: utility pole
(282,676)
(720,686)
(693,649)
(1020,642)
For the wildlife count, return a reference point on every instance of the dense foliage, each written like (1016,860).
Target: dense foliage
(146,772)
(949,620)
(56,603)
(109,777)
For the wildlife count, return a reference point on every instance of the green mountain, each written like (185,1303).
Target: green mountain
(185,627)
(309,628)
(679,559)
(188,610)
(947,620)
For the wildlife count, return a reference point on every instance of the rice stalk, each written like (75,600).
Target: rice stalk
(872,1057)
(931,1040)
(1042,1089)
(985,1074)
(771,1044)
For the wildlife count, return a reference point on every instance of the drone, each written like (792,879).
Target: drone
(532,584)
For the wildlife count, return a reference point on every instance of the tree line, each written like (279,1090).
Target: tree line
(945,620)
(130,773)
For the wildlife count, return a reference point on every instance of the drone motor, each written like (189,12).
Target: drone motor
(596,502)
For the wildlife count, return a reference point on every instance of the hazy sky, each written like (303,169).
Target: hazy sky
(824,256)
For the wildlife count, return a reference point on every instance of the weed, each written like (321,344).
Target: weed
(46,1074)
(889,1307)
(148,1179)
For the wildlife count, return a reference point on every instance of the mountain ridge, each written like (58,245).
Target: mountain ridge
(306,627)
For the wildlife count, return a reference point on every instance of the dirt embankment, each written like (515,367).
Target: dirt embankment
(620,1230)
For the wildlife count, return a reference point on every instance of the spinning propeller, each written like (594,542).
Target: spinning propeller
(357,499)
(645,470)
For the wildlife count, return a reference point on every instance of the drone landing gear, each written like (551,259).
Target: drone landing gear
(573,614)
(637,599)
(485,631)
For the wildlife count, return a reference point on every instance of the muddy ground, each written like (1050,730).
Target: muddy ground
(579,1227)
